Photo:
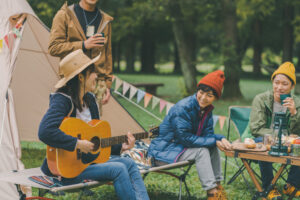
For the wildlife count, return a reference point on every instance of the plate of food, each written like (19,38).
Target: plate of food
(248,145)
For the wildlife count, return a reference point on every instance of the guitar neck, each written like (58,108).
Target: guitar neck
(106,142)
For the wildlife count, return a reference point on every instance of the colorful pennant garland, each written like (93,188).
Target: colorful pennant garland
(169,106)
(155,100)
(133,91)
(125,87)
(147,99)
(163,104)
(10,37)
(140,95)
(1,45)
(118,83)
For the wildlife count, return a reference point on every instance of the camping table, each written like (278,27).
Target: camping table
(263,156)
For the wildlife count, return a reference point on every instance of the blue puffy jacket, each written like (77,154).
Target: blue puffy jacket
(179,129)
(61,106)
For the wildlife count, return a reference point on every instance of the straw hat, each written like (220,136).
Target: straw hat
(73,64)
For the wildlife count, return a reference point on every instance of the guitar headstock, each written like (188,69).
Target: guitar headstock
(154,132)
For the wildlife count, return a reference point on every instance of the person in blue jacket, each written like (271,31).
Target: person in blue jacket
(74,98)
(187,133)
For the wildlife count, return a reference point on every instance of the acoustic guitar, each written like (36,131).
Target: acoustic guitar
(70,164)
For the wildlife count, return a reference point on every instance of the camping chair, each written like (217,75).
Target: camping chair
(239,116)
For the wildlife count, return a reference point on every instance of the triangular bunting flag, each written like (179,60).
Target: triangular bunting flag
(140,95)
(147,99)
(1,45)
(155,101)
(132,91)
(222,120)
(162,104)
(118,83)
(16,32)
(125,87)
(169,106)
(215,119)
(6,40)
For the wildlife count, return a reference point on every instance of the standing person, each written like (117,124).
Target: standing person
(262,114)
(74,98)
(84,26)
(187,133)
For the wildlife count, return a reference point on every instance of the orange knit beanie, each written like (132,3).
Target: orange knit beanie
(214,80)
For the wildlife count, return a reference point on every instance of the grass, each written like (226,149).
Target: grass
(161,187)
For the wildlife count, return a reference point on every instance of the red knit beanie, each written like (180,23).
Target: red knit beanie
(214,80)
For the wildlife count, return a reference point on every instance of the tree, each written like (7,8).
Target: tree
(230,49)
(288,31)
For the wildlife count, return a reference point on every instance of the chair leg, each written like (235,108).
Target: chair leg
(180,189)
(225,169)
(241,170)
(187,189)
(243,173)
(182,180)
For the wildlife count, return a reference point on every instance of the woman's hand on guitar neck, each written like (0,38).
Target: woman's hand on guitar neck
(85,146)
(130,142)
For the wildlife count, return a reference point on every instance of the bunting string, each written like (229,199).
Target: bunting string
(9,39)
(146,97)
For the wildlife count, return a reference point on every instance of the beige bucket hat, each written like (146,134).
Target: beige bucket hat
(73,64)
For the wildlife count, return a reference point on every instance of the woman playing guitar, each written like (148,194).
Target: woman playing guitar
(74,99)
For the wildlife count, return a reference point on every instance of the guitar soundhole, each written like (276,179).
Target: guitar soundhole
(96,141)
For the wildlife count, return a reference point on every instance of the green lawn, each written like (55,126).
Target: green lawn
(162,187)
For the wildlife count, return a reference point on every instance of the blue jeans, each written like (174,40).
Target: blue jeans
(127,179)
(266,171)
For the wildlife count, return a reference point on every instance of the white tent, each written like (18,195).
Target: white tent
(27,76)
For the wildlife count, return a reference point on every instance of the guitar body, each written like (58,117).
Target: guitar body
(70,164)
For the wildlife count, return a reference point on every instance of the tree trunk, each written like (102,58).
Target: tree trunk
(288,37)
(147,50)
(177,66)
(230,50)
(130,54)
(117,56)
(257,47)
(185,51)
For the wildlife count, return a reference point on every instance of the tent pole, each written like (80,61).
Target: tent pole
(4,112)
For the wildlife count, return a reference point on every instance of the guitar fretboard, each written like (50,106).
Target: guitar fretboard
(106,142)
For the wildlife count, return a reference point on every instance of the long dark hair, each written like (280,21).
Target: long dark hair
(72,88)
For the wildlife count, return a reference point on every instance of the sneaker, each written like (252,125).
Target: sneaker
(288,189)
(274,195)
(223,192)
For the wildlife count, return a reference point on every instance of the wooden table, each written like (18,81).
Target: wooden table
(263,156)
(149,87)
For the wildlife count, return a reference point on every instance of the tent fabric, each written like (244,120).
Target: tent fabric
(10,151)
(28,74)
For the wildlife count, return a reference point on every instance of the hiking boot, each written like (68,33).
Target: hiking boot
(288,189)
(214,196)
(274,195)
(223,192)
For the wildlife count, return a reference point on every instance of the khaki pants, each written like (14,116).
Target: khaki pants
(100,93)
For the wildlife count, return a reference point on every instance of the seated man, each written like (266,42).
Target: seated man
(262,118)
(187,133)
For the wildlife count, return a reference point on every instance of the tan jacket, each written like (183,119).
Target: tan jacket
(67,36)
